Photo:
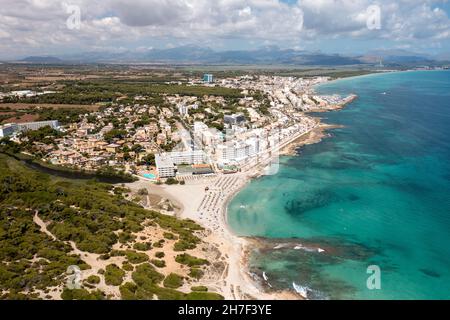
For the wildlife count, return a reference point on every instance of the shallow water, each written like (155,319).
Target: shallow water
(378,190)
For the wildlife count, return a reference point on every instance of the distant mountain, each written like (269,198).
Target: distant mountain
(445,56)
(42,59)
(397,57)
(270,55)
(204,55)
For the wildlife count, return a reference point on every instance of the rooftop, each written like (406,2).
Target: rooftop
(163,161)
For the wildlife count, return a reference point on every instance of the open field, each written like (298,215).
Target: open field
(24,106)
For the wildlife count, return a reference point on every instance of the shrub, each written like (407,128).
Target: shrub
(142,246)
(125,237)
(82,294)
(160,255)
(136,257)
(169,236)
(127,291)
(93,279)
(171,181)
(159,244)
(196,273)
(199,288)
(142,192)
(204,296)
(127,266)
(183,245)
(168,294)
(158,263)
(114,275)
(190,261)
(173,281)
(146,275)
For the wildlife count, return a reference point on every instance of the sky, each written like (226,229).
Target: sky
(52,27)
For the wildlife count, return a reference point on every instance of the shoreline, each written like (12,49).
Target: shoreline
(206,200)
(210,210)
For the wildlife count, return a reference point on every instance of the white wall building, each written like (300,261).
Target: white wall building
(164,166)
(9,129)
(183,110)
(37,125)
(187,157)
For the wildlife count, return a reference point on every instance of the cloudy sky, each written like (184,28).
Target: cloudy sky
(49,27)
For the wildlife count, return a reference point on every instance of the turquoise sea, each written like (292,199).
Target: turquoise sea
(377,192)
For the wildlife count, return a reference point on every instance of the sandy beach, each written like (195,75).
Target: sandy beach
(208,208)
(205,199)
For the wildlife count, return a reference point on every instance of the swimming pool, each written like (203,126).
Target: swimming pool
(149,176)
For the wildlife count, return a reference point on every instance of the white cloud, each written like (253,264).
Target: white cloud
(38,23)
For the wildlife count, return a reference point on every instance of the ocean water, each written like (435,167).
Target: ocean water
(377,192)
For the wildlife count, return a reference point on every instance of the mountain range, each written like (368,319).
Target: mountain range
(261,56)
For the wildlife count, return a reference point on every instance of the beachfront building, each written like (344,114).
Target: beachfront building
(233,152)
(164,166)
(187,157)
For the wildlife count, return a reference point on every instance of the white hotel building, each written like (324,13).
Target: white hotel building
(10,129)
(187,157)
(164,166)
(232,152)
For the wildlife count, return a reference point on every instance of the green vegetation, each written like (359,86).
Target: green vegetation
(142,246)
(196,273)
(203,296)
(159,244)
(160,254)
(82,294)
(64,116)
(183,245)
(44,135)
(173,281)
(136,257)
(169,236)
(114,134)
(199,288)
(190,261)
(171,181)
(143,192)
(114,275)
(87,213)
(147,285)
(107,91)
(127,266)
(158,263)
(128,291)
(146,275)
(93,279)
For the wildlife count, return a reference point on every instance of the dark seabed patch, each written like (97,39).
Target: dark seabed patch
(376,193)
(309,201)
(430,273)
(353,197)
(285,261)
